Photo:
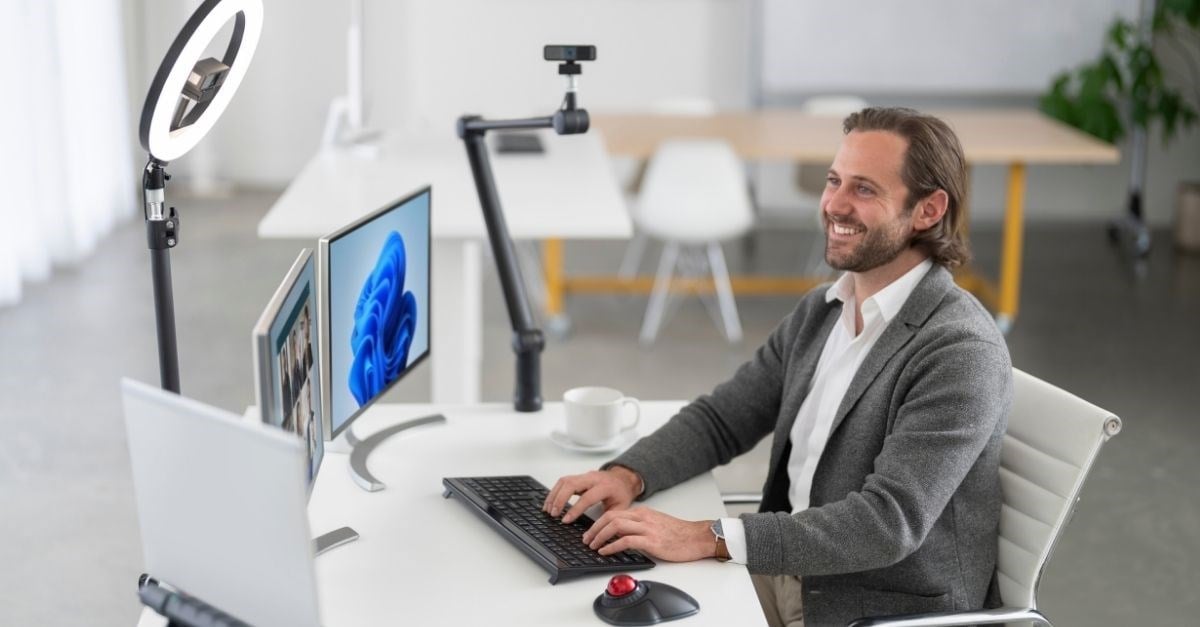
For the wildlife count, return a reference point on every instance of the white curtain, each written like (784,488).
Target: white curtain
(66,144)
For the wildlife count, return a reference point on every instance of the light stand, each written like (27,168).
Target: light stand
(186,97)
(528,341)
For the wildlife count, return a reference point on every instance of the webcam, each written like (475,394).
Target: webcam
(569,53)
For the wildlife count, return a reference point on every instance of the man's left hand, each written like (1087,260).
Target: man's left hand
(653,533)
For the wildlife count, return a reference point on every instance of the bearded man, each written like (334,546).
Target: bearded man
(887,395)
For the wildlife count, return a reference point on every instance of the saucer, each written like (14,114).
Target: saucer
(623,439)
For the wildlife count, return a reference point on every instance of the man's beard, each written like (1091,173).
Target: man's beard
(879,246)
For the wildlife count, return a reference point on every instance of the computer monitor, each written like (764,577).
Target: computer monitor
(375,306)
(287,379)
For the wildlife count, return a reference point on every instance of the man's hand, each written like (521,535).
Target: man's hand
(653,533)
(615,488)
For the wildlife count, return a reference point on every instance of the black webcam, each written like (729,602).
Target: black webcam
(569,53)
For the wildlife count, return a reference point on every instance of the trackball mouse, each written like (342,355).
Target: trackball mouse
(627,601)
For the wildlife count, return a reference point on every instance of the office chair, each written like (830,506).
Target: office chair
(693,196)
(1052,439)
(631,173)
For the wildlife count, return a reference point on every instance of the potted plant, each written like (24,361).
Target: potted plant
(1125,89)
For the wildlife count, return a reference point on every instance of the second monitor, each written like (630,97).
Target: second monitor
(375,310)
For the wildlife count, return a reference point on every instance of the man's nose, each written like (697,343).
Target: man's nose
(837,202)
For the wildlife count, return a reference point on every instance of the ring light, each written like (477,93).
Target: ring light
(188,93)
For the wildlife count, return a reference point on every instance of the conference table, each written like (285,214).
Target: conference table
(1016,138)
(422,559)
(568,191)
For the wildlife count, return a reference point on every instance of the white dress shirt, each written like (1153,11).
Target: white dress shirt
(843,353)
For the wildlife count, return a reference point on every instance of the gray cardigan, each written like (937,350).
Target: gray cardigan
(905,501)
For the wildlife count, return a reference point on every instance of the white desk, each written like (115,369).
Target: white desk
(567,192)
(426,560)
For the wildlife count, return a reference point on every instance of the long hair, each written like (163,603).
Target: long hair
(934,160)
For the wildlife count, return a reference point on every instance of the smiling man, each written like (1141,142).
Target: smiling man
(886,393)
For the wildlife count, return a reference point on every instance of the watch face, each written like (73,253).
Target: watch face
(717,529)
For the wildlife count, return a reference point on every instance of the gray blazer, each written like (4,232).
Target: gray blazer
(905,501)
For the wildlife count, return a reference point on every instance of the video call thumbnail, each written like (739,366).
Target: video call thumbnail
(297,387)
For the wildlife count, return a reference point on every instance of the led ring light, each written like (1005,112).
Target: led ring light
(189,94)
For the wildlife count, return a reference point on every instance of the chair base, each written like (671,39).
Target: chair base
(692,259)
(954,619)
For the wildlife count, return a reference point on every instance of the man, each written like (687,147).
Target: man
(887,394)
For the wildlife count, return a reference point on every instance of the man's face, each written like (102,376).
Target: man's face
(863,205)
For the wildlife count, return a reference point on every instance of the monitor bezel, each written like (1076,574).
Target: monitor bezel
(261,346)
(324,306)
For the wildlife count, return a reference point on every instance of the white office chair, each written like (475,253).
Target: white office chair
(1053,437)
(693,196)
(631,172)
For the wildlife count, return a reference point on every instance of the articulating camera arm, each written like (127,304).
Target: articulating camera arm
(528,340)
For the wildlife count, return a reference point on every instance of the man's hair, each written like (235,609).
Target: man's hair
(934,160)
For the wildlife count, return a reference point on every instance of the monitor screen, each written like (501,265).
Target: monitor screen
(286,356)
(375,306)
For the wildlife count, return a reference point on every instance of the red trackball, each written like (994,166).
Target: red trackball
(621,585)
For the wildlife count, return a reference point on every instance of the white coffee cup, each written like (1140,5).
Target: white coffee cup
(594,415)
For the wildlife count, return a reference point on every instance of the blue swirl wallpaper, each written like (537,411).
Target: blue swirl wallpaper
(385,321)
(378,305)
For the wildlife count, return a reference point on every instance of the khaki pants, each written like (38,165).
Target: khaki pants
(780,598)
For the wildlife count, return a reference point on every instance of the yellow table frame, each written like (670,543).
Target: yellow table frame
(1011,137)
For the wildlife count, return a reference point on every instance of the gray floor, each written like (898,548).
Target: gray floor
(70,551)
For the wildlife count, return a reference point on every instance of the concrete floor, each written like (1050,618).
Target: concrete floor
(70,552)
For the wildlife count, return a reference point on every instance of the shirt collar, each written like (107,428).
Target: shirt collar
(890,299)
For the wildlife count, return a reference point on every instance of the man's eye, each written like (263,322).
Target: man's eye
(864,190)
(832,180)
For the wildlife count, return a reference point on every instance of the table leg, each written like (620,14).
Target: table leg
(1010,256)
(557,322)
(456,345)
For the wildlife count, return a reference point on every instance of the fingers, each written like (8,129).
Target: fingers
(568,487)
(613,524)
(592,487)
(587,499)
(562,492)
(624,543)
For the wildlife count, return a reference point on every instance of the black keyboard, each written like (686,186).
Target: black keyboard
(513,507)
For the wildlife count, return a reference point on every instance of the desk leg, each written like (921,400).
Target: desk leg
(456,344)
(557,322)
(1010,257)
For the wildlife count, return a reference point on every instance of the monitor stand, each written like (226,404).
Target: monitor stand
(333,539)
(361,449)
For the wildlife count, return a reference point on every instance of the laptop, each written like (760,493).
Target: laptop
(222,507)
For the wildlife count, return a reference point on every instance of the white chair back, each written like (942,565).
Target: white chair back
(694,192)
(840,105)
(1052,439)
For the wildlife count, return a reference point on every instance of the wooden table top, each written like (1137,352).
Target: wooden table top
(998,136)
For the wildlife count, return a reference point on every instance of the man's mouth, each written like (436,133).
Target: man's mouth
(845,230)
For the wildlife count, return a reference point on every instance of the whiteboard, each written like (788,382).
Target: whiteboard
(929,46)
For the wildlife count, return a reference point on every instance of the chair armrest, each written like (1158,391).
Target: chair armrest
(741,498)
(956,619)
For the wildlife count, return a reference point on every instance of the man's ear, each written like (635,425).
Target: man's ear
(930,210)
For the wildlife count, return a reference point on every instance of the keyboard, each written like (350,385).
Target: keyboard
(513,507)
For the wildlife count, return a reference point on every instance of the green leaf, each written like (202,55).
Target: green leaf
(1111,70)
(1119,33)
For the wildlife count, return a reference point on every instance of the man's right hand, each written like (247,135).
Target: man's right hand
(616,488)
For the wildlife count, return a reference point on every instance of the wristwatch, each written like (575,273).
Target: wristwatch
(719,535)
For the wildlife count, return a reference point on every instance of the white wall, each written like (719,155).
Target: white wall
(429,61)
